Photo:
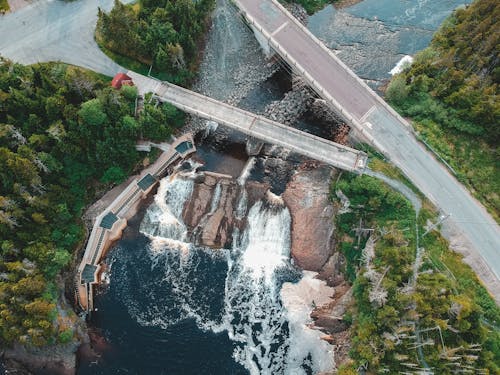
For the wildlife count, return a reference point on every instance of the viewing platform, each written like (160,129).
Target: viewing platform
(108,226)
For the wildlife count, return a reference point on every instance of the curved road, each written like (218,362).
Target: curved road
(49,30)
(55,30)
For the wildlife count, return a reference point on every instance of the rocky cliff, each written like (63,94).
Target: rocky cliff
(210,215)
(306,196)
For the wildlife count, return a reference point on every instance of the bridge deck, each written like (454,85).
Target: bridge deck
(365,111)
(253,125)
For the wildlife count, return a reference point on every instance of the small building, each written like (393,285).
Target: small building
(121,79)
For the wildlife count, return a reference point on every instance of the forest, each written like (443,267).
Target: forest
(163,34)
(443,309)
(451,92)
(65,135)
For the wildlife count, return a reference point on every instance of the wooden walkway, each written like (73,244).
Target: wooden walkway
(110,223)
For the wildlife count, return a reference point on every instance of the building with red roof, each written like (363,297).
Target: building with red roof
(121,79)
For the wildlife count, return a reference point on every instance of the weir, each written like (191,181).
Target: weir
(108,226)
(381,126)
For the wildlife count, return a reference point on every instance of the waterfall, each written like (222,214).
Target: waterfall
(163,220)
(266,241)
(237,291)
(241,207)
(254,317)
(215,199)
(246,170)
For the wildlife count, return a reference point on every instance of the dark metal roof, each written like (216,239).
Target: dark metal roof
(88,273)
(183,147)
(146,182)
(108,220)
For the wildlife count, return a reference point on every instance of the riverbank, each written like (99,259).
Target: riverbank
(186,270)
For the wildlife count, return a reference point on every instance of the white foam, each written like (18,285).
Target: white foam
(246,171)
(401,65)
(298,300)
(274,199)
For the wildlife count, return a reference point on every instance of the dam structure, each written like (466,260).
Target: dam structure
(108,226)
(279,32)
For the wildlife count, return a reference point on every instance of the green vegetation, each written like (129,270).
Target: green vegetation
(62,130)
(158,33)
(378,163)
(391,307)
(451,92)
(312,6)
(4,6)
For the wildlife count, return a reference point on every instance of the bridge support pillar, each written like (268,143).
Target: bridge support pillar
(268,51)
(253,146)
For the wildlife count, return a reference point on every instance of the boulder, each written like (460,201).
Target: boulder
(219,224)
(332,270)
(207,226)
(197,206)
(307,197)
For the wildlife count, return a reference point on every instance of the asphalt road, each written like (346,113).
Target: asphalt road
(49,30)
(373,118)
(256,126)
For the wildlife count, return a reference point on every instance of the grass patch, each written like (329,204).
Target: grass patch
(451,263)
(124,61)
(476,162)
(378,163)
(4,6)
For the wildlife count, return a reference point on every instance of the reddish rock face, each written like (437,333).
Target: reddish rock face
(306,196)
(219,224)
(213,226)
(200,200)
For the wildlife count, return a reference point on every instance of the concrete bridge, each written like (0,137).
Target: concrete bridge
(256,126)
(279,32)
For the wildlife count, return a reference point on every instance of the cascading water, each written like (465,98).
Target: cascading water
(163,219)
(254,316)
(242,298)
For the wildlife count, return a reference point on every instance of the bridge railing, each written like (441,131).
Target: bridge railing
(340,62)
(180,96)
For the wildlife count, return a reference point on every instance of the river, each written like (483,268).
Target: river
(170,307)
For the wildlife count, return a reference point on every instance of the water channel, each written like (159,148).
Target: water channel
(170,307)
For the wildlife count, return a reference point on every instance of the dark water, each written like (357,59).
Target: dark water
(128,307)
(373,35)
(171,308)
(224,155)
